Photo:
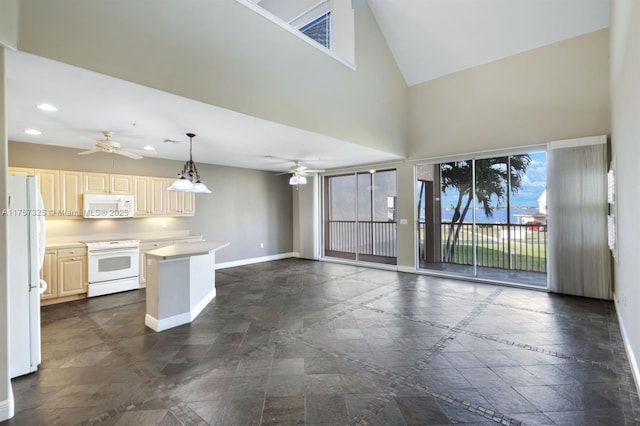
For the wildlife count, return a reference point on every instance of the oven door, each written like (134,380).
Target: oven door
(107,265)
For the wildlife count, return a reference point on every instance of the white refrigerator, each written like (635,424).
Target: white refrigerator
(26,233)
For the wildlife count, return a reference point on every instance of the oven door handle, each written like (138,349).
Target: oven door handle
(98,252)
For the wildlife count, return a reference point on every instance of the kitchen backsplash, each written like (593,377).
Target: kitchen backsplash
(60,230)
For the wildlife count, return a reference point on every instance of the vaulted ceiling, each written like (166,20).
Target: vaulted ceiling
(428,39)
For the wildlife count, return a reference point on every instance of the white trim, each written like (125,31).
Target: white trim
(571,143)
(371,265)
(309,10)
(166,323)
(195,311)
(7,407)
(243,262)
(627,345)
(409,269)
(282,24)
(477,155)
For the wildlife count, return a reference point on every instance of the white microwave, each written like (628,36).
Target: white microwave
(107,206)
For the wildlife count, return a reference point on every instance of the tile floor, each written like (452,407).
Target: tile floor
(303,342)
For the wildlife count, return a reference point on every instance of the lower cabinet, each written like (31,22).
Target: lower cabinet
(65,271)
(152,245)
(49,273)
(144,247)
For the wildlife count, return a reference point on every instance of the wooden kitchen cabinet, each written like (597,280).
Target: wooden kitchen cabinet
(180,203)
(72,271)
(70,194)
(121,184)
(95,183)
(144,247)
(65,271)
(104,183)
(49,273)
(21,171)
(150,196)
(49,182)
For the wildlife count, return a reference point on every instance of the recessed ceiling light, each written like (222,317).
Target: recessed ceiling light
(33,132)
(47,107)
(149,148)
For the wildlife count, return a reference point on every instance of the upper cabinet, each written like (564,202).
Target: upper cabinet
(103,183)
(70,193)
(62,192)
(150,196)
(49,182)
(180,203)
(121,184)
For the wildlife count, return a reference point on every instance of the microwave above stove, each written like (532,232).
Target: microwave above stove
(107,206)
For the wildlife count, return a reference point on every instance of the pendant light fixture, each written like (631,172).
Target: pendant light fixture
(189,179)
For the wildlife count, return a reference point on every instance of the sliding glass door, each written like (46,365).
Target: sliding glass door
(360,216)
(484,218)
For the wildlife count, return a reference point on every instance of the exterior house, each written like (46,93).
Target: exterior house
(223,53)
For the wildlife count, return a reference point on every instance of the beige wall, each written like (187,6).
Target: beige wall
(9,12)
(560,91)
(246,207)
(223,53)
(625,107)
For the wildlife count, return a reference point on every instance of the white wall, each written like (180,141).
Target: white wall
(6,401)
(625,138)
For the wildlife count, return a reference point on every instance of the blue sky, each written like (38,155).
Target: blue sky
(533,183)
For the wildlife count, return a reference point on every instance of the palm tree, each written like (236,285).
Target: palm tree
(493,175)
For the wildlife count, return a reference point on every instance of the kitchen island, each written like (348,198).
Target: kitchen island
(180,282)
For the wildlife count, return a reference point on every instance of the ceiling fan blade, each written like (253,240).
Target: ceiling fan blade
(143,152)
(91,151)
(314,171)
(129,154)
(283,173)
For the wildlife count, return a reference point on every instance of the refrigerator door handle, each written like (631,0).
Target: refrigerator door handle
(41,229)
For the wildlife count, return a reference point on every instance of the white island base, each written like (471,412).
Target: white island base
(180,283)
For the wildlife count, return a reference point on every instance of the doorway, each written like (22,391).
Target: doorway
(484,218)
(360,216)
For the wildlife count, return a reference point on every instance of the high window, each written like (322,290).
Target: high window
(319,30)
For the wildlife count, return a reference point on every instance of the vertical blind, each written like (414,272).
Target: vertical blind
(579,258)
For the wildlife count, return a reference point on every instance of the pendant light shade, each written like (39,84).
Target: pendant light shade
(189,179)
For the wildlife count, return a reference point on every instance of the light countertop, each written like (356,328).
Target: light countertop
(57,244)
(195,248)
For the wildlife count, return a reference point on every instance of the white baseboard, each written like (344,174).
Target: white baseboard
(409,269)
(627,345)
(166,323)
(195,311)
(6,407)
(243,262)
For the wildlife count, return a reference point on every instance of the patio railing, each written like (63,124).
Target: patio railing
(365,237)
(512,247)
(521,247)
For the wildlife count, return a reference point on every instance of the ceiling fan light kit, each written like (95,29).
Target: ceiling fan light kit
(298,180)
(189,179)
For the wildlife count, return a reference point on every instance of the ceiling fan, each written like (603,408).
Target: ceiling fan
(299,173)
(107,145)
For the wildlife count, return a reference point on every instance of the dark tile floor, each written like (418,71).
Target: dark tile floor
(303,342)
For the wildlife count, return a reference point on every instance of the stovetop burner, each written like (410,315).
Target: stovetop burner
(121,244)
